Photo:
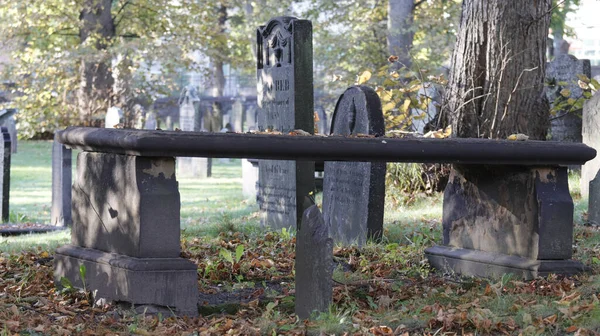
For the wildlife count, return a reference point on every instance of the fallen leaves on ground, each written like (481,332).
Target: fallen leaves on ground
(386,290)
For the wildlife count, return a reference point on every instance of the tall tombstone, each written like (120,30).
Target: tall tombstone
(285,101)
(5,178)
(590,181)
(564,70)
(61,185)
(237,112)
(354,192)
(190,166)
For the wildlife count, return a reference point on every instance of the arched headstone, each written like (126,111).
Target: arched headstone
(354,192)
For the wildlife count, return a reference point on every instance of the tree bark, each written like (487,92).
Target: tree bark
(400,30)
(96,31)
(496,84)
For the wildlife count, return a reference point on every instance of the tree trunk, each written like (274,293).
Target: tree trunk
(400,30)
(496,84)
(96,31)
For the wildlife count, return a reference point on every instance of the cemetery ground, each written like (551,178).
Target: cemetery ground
(246,275)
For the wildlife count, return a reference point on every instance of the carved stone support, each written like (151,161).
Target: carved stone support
(500,219)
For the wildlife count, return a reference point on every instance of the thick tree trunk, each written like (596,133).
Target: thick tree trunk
(400,30)
(497,75)
(96,31)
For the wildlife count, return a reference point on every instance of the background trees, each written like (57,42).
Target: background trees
(497,74)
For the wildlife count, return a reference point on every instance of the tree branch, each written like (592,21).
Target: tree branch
(418,3)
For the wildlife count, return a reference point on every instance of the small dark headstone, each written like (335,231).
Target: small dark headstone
(354,192)
(285,100)
(61,185)
(314,264)
(6,148)
(565,68)
(7,119)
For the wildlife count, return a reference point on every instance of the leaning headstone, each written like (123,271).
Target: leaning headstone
(7,119)
(61,185)
(285,100)
(5,178)
(354,192)
(237,112)
(314,264)
(190,166)
(591,137)
(114,116)
(564,70)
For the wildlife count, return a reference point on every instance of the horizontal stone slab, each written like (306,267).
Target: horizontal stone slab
(333,148)
(495,265)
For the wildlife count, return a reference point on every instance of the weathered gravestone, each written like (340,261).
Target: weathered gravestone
(60,214)
(249,171)
(114,116)
(150,123)
(7,119)
(5,167)
(314,264)
(187,166)
(561,74)
(590,179)
(285,100)
(354,192)
(237,113)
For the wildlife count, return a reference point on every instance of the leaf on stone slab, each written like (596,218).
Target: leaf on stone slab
(518,137)
(299,132)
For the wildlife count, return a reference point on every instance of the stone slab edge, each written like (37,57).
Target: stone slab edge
(165,282)
(494,265)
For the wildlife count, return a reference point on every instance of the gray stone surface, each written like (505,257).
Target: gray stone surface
(493,265)
(249,179)
(7,119)
(126,204)
(165,282)
(591,137)
(5,178)
(594,201)
(507,219)
(565,68)
(150,123)
(237,113)
(188,122)
(61,185)
(285,100)
(314,264)
(354,192)
(526,212)
(250,118)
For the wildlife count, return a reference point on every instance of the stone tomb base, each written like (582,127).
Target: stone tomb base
(507,219)
(126,231)
(494,265)
(166,282)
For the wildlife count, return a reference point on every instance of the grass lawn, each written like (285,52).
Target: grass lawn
(380,289)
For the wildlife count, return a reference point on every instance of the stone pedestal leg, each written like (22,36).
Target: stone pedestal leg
(507,219)
(126,233)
